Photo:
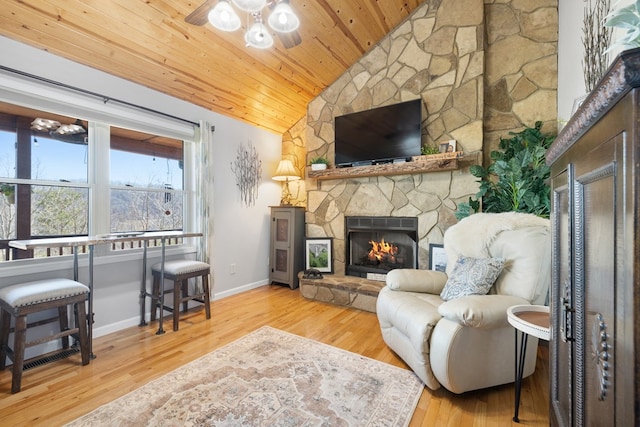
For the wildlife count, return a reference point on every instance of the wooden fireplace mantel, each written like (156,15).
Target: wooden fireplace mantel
(419,164)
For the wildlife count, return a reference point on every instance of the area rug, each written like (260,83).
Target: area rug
(269,378)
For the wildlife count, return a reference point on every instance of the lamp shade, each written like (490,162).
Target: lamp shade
(250,5)
(286,171)
(257,36)
(223,17)
(282,19)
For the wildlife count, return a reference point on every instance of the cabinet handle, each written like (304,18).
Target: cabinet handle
(567,315)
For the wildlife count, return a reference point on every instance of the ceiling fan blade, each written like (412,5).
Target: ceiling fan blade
(200,15)
(290,40)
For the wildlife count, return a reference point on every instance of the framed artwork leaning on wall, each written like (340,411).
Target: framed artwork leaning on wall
(319,254)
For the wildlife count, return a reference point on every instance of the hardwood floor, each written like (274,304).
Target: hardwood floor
(59,392)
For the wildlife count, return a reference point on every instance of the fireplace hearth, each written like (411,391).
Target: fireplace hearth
(377,245)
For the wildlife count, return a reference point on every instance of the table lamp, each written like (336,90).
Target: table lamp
(286,172)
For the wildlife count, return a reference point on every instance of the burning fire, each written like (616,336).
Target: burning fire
(382,251)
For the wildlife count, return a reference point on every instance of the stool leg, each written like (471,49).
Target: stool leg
(185,293)
(63,318)
(82,331)
(154,293)
(176,303)
(19,339)
(205,289)
(5,327)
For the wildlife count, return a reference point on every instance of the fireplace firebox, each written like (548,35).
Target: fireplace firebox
(377,245)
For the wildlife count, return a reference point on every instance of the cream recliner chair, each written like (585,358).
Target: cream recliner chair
(466,343)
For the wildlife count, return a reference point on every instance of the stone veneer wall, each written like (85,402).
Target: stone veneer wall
(521,67)
(481,69)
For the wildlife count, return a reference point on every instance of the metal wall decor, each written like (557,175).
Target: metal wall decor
(247,168)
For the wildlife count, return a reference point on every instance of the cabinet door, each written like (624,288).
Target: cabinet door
(281,240)
(596,204)
(561,302)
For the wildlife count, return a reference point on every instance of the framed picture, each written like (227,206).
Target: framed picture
(437,257)
(319,254)
(448,146)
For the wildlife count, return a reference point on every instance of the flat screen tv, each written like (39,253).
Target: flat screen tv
(380,135)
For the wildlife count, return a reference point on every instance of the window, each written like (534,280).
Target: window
(146,181)
(47,178)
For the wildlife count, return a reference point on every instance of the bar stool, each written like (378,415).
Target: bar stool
(180,272)
(27,298)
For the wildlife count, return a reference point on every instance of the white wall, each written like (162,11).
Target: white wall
(241,232)
(570,52)
(240,235)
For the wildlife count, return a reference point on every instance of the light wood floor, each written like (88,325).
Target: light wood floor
(61,391)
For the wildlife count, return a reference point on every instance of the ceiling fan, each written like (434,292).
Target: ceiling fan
(200,16)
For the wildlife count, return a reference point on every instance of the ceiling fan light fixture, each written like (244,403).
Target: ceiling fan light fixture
(223,17)
(257,36)
(283,19)
(250,5)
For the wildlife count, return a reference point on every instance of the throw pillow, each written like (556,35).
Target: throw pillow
(471,276)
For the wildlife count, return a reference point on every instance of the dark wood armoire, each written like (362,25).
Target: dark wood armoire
(595,303)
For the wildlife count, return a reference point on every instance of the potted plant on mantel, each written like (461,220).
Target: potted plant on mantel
(319,163)
(437,153)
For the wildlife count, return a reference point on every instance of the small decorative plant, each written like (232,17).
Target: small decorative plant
(320,160)
(628,19)
(319,163)
(516,180)
(425,150)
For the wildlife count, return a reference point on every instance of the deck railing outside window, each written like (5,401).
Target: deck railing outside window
(7,252)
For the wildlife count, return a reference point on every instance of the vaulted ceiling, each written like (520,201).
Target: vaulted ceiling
(149,42)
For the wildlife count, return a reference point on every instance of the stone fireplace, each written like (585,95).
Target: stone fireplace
(376,245)
(482,69)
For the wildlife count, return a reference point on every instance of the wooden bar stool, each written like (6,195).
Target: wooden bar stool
(180,272)
(27,298)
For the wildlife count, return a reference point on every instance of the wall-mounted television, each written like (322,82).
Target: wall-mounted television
(380,135)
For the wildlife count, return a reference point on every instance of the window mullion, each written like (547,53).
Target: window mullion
(99,194)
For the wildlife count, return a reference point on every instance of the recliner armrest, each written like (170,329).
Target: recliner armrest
(480,311)
(411,280)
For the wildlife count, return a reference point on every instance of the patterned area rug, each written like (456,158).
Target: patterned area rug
(269,378)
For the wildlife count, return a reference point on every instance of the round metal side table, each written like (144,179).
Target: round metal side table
(529,320)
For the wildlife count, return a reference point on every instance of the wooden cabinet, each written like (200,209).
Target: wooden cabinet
(286,255)
(594,357)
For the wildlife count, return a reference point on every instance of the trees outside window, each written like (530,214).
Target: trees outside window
(146,180)
(45,186)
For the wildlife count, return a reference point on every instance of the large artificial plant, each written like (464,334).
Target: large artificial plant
(628,19)
(516,180)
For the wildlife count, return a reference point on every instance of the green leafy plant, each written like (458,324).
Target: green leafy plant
(425,149)
(516,180)
(320,160)
(9,192)
(7,189)
(628,19)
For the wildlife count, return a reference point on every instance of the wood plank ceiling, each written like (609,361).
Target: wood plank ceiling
(149,42)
